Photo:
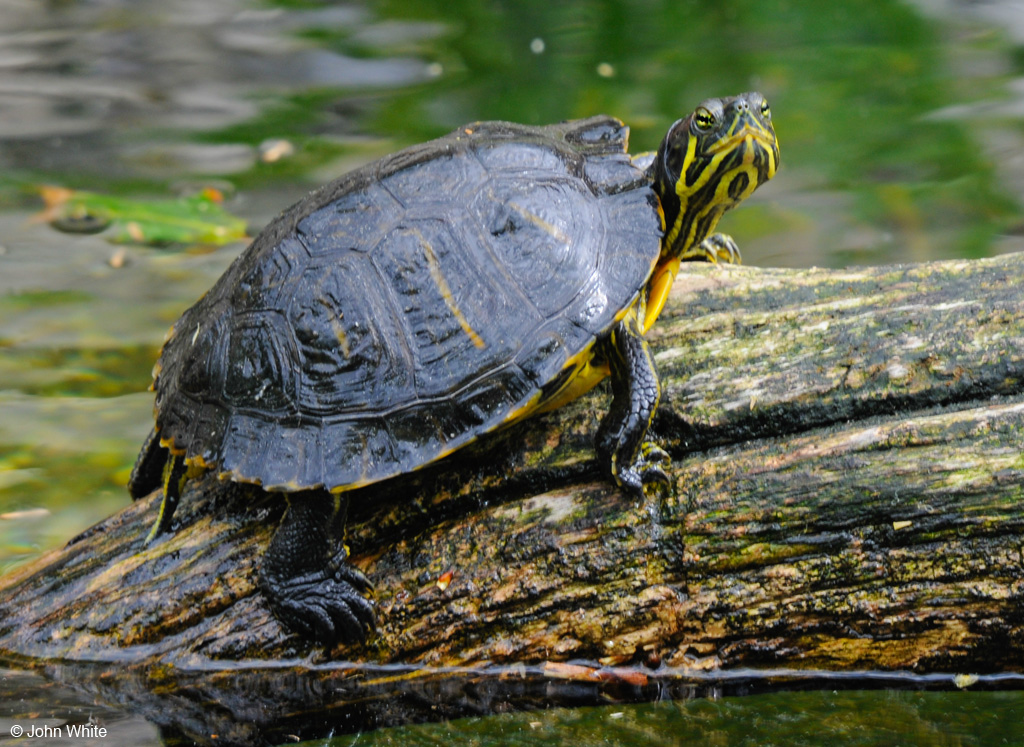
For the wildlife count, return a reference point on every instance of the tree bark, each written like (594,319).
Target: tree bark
(846,495)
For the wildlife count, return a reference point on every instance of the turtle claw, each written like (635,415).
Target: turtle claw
(653,463)
(650,467)
(651,453)
(632,481)
(305,577)
(716,248)
(328,607)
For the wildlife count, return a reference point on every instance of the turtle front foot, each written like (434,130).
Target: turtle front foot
(717,248)
(650,466)
(653,463)
(329,606)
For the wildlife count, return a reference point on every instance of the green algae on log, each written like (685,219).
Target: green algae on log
(847,495)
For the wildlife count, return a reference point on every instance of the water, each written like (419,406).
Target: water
(901,124)
(783,719)
(787,718)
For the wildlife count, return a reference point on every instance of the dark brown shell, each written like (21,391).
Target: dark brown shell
(410,306)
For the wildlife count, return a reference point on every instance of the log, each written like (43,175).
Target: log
(846,496)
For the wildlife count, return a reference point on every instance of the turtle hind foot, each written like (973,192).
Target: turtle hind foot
(305,577)
(328,606)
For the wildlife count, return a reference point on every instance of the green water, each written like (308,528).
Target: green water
(880,718)
(900,126)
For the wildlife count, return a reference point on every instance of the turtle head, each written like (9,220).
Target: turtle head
(708,163)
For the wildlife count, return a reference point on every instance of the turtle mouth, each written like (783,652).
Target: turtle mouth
(747,135)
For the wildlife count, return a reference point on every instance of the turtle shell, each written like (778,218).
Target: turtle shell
(403,310)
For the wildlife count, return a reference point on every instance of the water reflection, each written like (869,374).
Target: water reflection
(514,706)
(102,88)
(851,718)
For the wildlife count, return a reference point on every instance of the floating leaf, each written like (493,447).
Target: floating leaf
(445,580)
(196,219)
(963,681)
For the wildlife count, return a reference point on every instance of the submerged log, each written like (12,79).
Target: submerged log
(847,495)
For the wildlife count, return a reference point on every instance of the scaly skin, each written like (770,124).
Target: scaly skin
(706,165)
(305,576)
(635,395)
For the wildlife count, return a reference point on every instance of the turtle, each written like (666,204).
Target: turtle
(427,299)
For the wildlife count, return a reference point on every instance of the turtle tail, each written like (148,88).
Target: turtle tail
(148,472)
(156,467)
(175,473)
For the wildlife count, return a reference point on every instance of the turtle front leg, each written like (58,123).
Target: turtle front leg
(305,577)
(621,445)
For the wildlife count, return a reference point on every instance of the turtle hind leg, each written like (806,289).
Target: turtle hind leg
(305,577)
(174,475)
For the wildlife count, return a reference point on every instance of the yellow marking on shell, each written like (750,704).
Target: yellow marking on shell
(549,228)
(196,465)
(169,445)
(363,483)
(339,331)
(587,376)
(446,293)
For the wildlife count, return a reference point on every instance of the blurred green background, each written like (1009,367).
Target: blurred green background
(901,126)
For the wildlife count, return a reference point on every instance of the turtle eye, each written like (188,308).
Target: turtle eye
(766,111)
(703,118)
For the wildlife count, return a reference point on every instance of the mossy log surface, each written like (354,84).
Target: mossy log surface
(846,495)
